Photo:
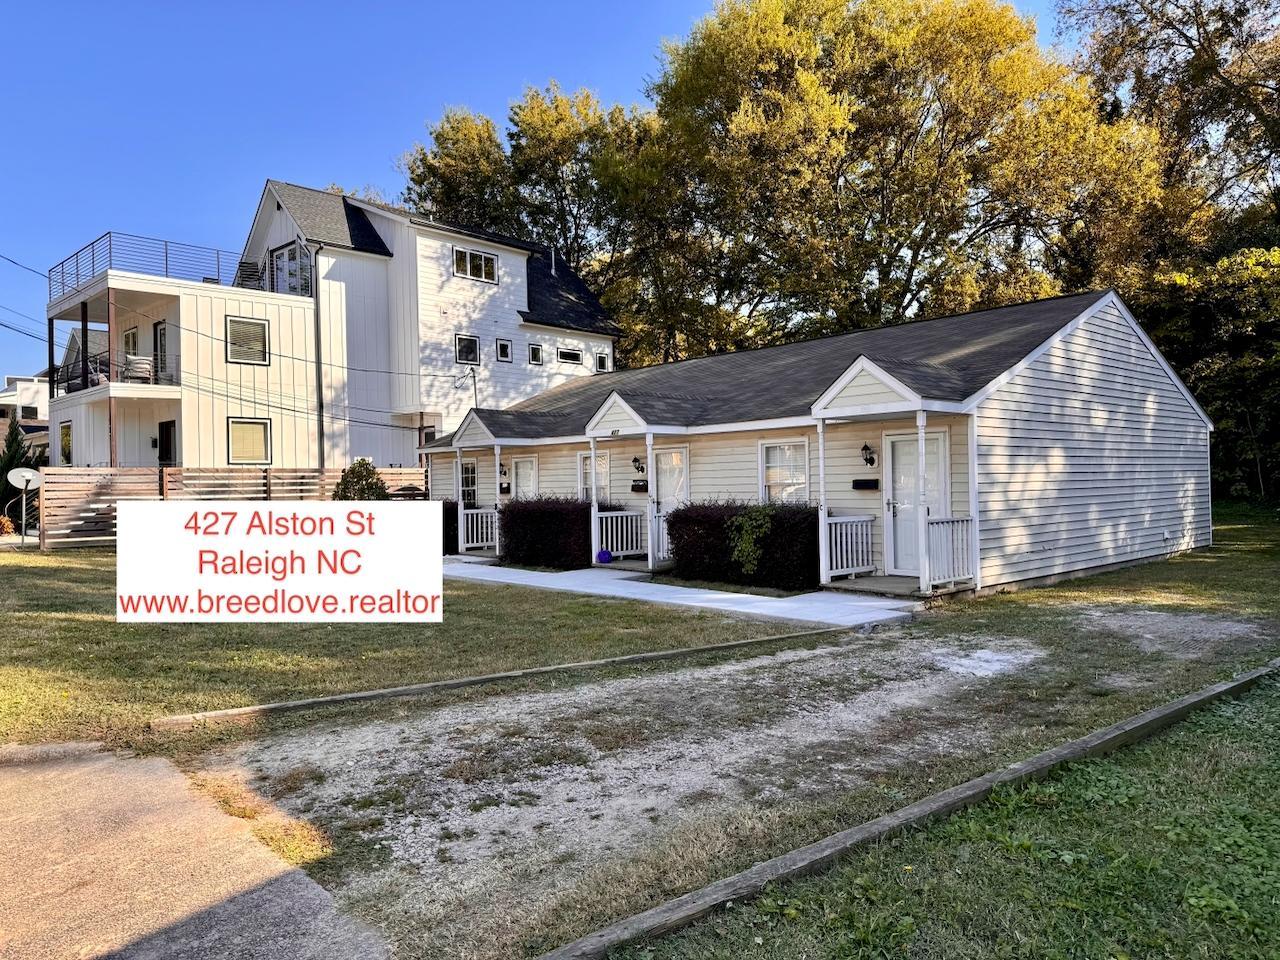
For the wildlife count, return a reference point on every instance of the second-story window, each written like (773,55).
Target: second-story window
(475,264)
(504,350)
(535,354)
(565,355)
(248,341)
(466,349)
(602,363)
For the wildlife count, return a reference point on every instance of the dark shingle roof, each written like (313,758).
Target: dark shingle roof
(949,358)
(556,299)
(329,218)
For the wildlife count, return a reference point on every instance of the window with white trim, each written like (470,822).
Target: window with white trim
(64,442)
(130,342)
(466,349)
(564,355)
(248,440)
(524,478)
(602,363)
(468,483)
(475,264)
(504,351)
(248,341)
(535,354)
(784,472)
(602,476)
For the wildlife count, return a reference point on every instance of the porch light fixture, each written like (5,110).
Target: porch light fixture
(638,464)
(502,469)
(868,455)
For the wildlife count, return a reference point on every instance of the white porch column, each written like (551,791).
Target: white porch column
(457,495)
(497,495)
(975,547)
(824,530)
(922,518)
(652,519)
(595,503)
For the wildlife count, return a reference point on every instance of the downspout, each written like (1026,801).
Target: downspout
(315,293)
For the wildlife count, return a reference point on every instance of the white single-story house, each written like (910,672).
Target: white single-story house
(1005,446)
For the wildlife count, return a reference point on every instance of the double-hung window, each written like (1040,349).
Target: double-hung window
(475,264)
(248,341)
(784,472)
(602,475)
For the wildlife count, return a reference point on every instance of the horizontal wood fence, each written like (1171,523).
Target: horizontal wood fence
(78,504)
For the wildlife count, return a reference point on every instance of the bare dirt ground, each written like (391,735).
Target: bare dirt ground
(489,809)
(493,827)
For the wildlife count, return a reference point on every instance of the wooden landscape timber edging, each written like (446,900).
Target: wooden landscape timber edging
(817,857)
(182,721)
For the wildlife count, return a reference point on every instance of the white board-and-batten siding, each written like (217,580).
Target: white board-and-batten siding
(1090,455)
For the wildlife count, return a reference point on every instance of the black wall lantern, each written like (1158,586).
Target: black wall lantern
(868,455)
(502,469)
(638,464)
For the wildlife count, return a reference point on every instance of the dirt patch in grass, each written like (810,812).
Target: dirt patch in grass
(1184,635)
(490,813)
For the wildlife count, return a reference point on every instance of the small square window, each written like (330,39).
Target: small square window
(248,441)
(602,363)
(504,351)
(569,356)
(248,341)
(535,354)
(466,349)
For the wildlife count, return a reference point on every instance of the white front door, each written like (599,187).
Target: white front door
(670,490)
(901,535)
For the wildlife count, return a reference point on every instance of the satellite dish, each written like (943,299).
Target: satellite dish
(25,477)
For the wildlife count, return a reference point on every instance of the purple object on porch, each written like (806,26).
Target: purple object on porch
(604,556)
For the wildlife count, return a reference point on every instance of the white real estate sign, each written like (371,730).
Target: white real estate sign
(279,561)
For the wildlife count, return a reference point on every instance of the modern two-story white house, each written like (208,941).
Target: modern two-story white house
(343,329)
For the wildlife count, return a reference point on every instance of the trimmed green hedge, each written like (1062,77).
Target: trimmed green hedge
(450,527)
(757,545)
(546,532)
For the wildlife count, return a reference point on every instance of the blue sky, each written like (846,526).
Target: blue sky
(164,120)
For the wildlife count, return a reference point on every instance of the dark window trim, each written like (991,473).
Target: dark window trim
(249,463)
(468,276)
(71,439)
(561,351)
(469,336)
(498,348)
(541,355)
(226,343)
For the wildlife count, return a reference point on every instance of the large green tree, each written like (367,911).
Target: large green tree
(1219,325)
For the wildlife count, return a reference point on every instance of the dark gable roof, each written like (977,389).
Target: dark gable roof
(949,358)
(556,299)
(329,218)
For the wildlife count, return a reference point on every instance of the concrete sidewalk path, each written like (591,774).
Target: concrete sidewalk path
(823,607)
(105,856)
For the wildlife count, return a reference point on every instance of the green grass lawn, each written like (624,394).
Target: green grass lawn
(1166,849)
(68,671)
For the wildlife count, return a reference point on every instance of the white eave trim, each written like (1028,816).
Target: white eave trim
(911,399)
(462,427)
(1112,298)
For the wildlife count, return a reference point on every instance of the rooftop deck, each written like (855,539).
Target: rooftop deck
(159,258)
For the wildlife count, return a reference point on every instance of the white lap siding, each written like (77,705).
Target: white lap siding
(1089,456)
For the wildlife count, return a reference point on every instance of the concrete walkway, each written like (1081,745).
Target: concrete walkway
(106,856)
(834,609)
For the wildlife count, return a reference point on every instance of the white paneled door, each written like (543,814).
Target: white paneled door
(671,489)
(902,540)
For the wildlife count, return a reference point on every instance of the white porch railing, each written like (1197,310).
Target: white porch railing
(849,545)
(479,528)
(950,549)
(622,533)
